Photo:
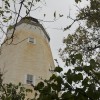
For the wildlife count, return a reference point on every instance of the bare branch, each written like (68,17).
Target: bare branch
(17,20)
(29,8)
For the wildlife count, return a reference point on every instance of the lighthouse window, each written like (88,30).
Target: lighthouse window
(31,40)
(29,79)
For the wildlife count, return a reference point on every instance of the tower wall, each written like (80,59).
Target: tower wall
(21,57)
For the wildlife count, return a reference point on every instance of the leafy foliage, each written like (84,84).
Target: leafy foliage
(86,38)
(79,83)
(11,91)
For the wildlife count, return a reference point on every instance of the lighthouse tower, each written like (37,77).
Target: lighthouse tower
(28,58)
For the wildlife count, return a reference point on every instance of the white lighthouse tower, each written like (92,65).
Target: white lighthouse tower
(29,56)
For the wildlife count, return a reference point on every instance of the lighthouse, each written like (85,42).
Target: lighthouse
(28,59)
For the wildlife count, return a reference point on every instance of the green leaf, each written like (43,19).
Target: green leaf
(77,77)
(10,27)
(77,1)
(54,86)
(5,20)
(53,77)
(92,63)
(67,96)
(86,69)
(69,72)
(59,80)
(85,82)
(78,56)
(58,69)
(80,76)
(39,86)
(78,69)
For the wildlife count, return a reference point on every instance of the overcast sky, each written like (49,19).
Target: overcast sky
(54,29)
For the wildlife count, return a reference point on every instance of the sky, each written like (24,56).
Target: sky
(55,25)
(55,29)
